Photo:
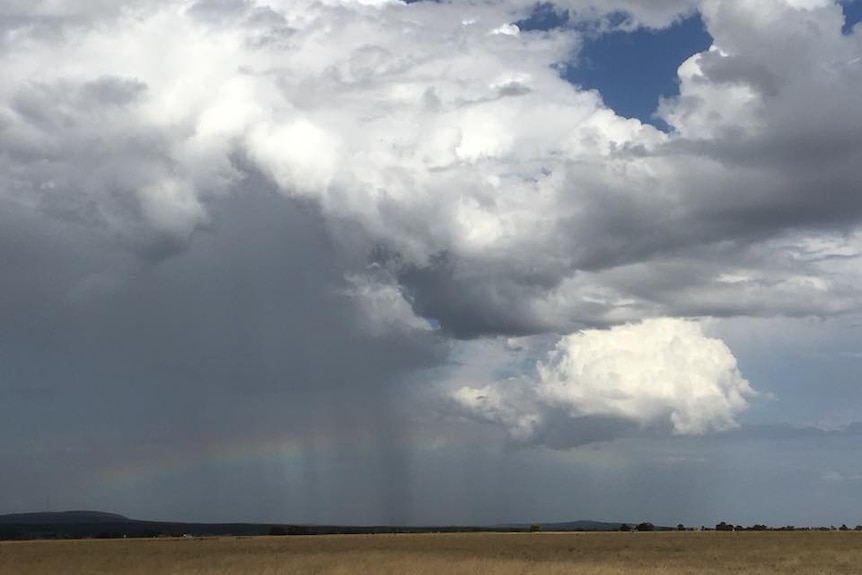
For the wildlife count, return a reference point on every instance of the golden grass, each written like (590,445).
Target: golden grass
(686,553)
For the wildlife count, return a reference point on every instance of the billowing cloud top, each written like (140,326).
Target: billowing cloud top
(661,372)
(447,134)
(498,198)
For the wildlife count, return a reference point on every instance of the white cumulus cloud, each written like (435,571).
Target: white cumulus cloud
(656,373)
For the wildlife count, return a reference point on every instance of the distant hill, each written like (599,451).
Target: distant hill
(61,517)
(97,524)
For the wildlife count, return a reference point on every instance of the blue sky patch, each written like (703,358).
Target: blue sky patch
(545,16)
(852,15)
(632,70)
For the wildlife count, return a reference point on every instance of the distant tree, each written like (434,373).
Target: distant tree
(724,527)
(277,530)
(645,526)
(535,527)
(857,528)
(680,527)
(844,527)
(759,527)
(625,527)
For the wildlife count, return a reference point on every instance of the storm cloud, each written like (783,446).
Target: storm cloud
(236,218)
(490,177)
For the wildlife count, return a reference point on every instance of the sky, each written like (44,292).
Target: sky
(455,262)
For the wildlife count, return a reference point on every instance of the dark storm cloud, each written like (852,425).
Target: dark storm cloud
(233,311)
(227,221)
(246,334)
(469,305)
(509,215)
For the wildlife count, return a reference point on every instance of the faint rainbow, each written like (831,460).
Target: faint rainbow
(148,464)
(151,463)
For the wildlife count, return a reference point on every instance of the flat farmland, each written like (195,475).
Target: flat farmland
(669,553)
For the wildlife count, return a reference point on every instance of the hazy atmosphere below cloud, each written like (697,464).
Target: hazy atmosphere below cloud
(362,261)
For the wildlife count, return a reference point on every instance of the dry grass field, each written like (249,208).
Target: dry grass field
(685,553)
